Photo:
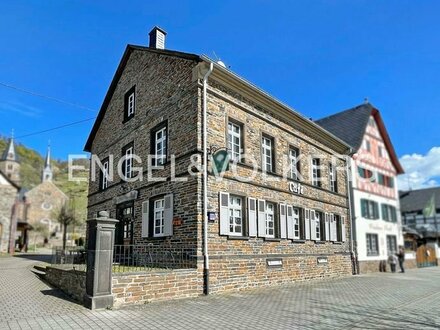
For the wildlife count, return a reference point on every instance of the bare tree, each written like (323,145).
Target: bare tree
(65,216)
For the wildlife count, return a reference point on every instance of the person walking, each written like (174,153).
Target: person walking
(392,260)
(401,256)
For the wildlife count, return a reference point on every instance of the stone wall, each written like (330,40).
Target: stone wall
(72,282)
(8,195)
(151,286)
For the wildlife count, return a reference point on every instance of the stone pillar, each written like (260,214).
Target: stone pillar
(100,243)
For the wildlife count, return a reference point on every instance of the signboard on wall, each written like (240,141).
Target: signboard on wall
(296,188)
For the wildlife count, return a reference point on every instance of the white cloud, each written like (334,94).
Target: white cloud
(421,171)
(20,108)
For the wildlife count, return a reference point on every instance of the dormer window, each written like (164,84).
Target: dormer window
(130,104)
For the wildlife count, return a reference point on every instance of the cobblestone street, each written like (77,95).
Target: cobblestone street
(379,301)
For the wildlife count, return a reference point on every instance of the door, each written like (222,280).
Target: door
(124,234)
(426,256)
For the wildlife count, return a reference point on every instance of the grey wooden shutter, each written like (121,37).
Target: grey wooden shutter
(252,216)
(331,226)
(335,229)
(326,227)
(307,224)
(312,225)
(224,213)
(145,218)
(168,215)
(343,233)
(283,221)
(290,224)
(261,218)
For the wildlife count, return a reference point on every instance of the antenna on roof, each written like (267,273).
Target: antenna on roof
(218,60)
(12,133)
(366,101)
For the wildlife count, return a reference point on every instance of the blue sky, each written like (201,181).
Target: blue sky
(319,57)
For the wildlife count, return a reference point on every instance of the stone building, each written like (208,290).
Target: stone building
(278,215)
(45,199)
(8,192)
(377,225)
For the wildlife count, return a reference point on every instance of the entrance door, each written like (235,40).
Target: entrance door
(426,256)
(124,229)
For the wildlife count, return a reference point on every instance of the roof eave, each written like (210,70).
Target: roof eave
(265,98)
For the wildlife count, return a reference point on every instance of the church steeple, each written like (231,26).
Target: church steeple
(10,163)
(47,170)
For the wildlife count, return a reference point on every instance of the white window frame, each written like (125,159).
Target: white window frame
(159,217)
(128,162)
(293,159)
(235,212)
(318,225)
(267,153)
(160,152)
(130,105)
(232,137)
(369,251)
(332,177)
(105,174)
(270,219)
(315,172)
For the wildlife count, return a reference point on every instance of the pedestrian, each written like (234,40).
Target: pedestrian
(401,256)
(392,260)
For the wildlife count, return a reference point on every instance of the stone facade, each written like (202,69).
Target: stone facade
(8,193)
(155,286)
(169,90)
(70,281)
(44,200)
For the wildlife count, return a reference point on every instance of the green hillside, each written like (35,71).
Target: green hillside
(30,171)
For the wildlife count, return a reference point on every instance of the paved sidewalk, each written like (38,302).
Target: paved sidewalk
(379,301)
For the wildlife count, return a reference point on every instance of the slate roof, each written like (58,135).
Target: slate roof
(10,147)
(350,125)
(416,200)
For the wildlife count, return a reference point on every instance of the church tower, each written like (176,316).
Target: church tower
(10,163)
(47,170)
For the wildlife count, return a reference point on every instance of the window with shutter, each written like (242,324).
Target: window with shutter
(145,218)
(261,218)
(307,223)
(168,215)
(283,220)
(252,216)
(290,224)
(224,213)
(296,223)
(270,220)
(235,215)
(343,233)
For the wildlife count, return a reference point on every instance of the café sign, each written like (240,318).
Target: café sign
(296,188)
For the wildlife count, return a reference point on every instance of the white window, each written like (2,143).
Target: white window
(235,215)
(128,162)
(234,141)
(332,177)
(161,146)
(318,225)
(316,175)
(367,145)
(267,160)
(270,220)
(293,159)
(158,220)
(130,105)
(296,228)
(105,174)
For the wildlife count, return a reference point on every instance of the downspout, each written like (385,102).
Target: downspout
(353,250)
(205,184)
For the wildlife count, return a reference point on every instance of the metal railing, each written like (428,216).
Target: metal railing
(135,258)
(69,258)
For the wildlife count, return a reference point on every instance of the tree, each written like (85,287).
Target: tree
(65,216)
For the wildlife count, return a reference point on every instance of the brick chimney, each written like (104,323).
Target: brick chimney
(157,38)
